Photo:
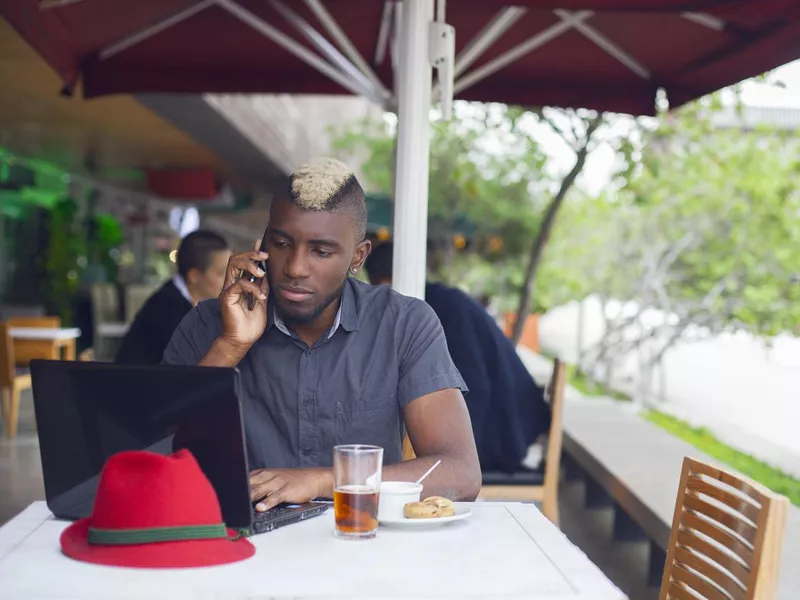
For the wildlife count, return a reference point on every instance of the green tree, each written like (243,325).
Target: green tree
(487,166)
(482,170)
(705,230)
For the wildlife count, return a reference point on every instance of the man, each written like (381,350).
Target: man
(202,260)
(326,359)
(506,407)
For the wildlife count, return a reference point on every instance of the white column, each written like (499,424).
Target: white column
(413,149)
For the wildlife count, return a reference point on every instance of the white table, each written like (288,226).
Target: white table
(112,330)
(507,551)
(43,342)
(45,333)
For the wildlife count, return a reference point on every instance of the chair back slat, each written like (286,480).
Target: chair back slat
(555,436)
(726,537)
(7,366)
(732,521)
(408,449)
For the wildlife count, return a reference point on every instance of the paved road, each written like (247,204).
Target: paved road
(747,394)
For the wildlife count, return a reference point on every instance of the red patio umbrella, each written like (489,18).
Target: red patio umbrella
(610,55)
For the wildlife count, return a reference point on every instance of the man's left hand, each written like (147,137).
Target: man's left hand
(294,486)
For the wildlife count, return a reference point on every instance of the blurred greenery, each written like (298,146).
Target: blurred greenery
(706,225)
(65,246)
(699,221)
(484,170)
(58,241)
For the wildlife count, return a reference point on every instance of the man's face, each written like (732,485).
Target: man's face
(310,253)
(208,284)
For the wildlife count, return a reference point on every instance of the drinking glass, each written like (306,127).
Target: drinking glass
(356,482)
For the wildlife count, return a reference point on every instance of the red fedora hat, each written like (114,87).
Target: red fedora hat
(153,511)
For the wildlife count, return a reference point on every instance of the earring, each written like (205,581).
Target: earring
(354,270)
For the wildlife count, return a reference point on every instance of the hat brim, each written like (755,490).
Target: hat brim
(183,554)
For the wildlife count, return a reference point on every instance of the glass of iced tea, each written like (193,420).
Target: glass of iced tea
(356,480)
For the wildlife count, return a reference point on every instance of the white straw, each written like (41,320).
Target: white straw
(429,471)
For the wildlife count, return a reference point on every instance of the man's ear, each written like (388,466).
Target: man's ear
(360,255)
(192,276)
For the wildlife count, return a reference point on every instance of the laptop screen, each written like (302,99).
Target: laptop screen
(86,412)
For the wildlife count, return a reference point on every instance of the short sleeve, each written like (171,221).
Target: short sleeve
(193,338)
(424,360)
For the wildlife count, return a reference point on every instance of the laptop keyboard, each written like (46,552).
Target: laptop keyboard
(273,513)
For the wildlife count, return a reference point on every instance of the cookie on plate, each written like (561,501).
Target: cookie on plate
(430,508)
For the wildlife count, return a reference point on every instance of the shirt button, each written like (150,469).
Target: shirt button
(306,451)
(308,353)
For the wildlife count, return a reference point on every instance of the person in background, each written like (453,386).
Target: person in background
(202,259)
(506,407)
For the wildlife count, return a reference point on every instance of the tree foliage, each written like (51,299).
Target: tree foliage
(483,169)
(702,239)
(701,223)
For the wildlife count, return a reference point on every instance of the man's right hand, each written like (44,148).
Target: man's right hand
(241,327)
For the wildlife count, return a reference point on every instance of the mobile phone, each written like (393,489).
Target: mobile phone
(251,301)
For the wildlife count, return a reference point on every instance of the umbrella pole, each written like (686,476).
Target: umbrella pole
(413,150)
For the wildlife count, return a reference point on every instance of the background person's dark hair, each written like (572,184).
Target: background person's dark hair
(196,249)
(379,263)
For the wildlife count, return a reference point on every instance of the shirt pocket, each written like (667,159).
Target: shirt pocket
(375,422)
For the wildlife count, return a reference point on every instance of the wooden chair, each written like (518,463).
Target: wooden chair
(726,537)
(408,449)
(11,384)
(535,486)
(51,322)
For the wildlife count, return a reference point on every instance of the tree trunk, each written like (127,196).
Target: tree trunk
(542,237)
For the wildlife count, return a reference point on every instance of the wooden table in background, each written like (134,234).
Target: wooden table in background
(43,342)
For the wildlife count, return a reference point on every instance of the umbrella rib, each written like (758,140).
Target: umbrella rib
(396,43)
(283,40)
(345,44)
(482,41)
(335,58)
(45,4)
(705,20)
(383,32)
(526,47)
(606,45)
(152,30)
(501,23)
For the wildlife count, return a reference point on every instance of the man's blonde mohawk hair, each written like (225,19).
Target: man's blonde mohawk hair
(315,184)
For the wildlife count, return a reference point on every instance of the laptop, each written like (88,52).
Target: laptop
(88,411)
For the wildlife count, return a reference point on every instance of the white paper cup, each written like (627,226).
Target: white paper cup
(394,495)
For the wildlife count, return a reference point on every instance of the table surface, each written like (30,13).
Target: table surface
(507,551)
(109,329)
(45,333)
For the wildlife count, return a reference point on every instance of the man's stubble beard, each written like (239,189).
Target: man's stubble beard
(292,318)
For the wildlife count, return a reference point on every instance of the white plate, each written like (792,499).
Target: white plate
(462,512)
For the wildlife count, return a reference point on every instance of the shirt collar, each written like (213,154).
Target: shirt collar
(179,283)
(346,315)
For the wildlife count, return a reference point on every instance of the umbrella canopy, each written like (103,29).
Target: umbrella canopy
(610,55)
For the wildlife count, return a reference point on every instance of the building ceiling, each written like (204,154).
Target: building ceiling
(110,133)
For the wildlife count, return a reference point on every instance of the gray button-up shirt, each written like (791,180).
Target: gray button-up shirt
(383,351)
